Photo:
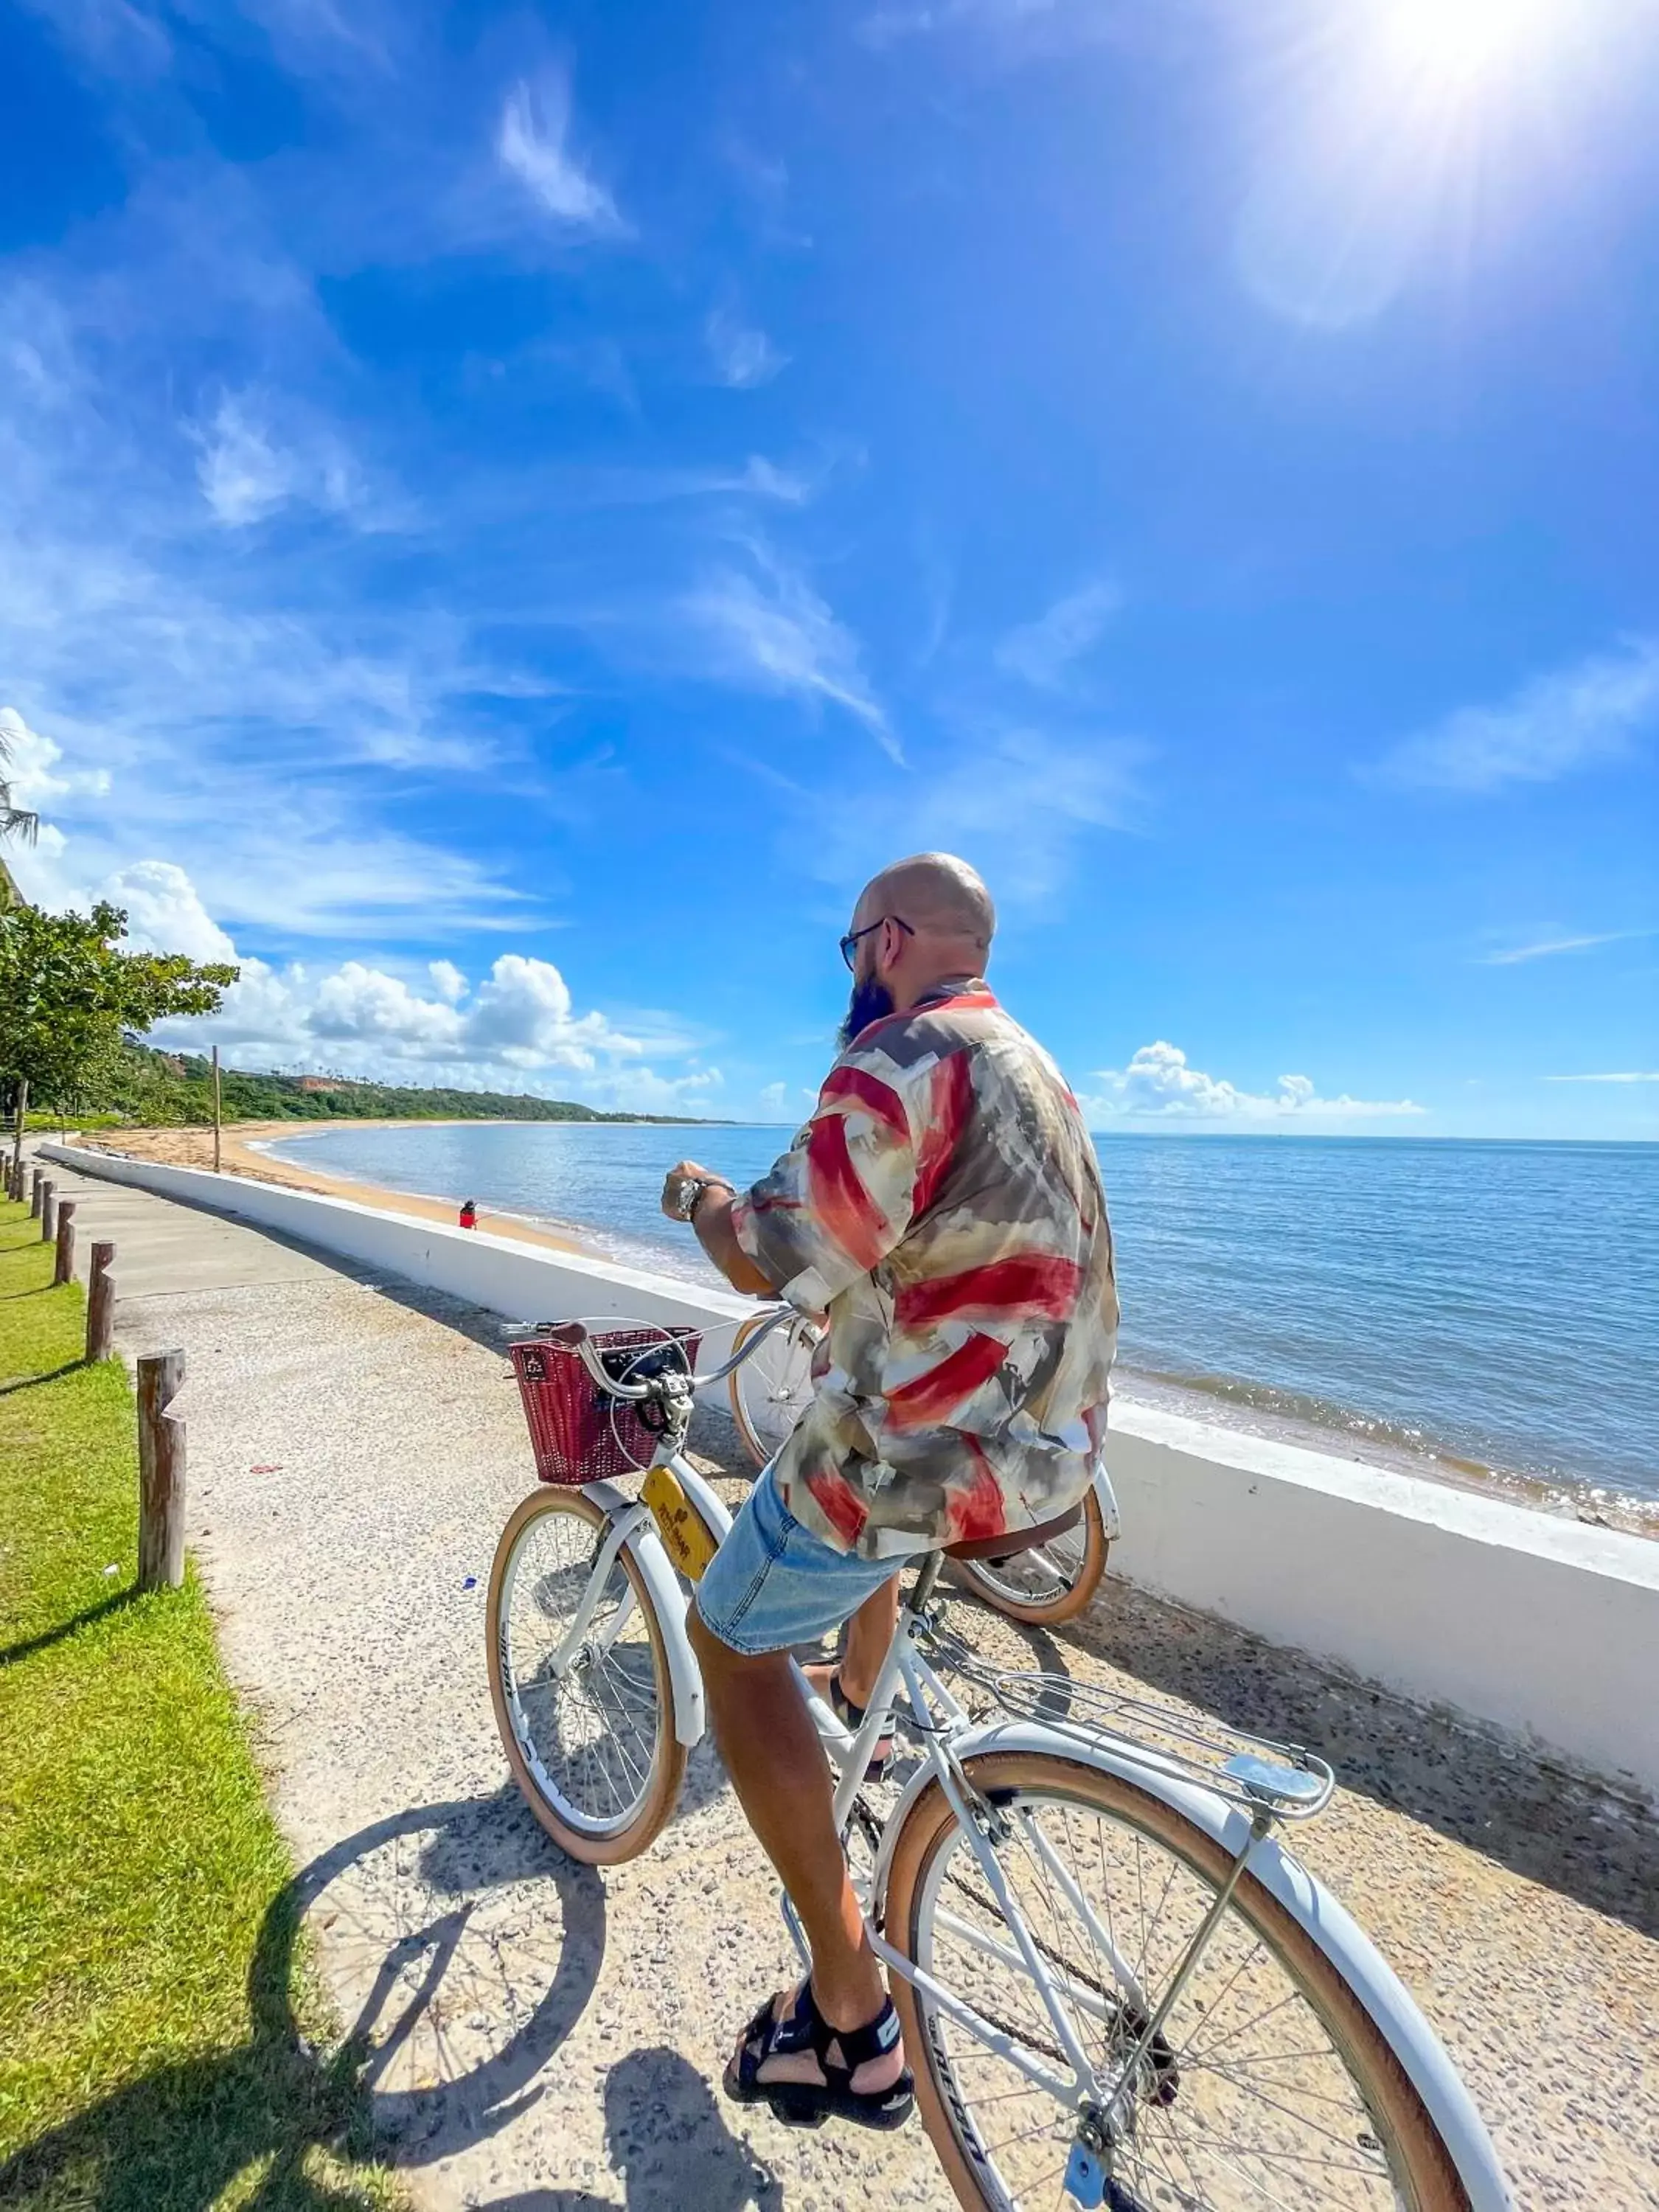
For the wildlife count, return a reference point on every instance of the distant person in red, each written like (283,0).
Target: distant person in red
(469,1214)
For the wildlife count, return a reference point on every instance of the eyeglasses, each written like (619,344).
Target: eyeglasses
(851,939)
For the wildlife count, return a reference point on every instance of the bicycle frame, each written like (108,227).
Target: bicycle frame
(906,1674)
(1240,1818)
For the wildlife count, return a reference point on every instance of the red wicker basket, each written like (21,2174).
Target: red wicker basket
(579,1432)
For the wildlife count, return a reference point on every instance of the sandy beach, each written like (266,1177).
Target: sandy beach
(240,1154)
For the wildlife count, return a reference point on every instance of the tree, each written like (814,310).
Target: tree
(69,996)
(14,821)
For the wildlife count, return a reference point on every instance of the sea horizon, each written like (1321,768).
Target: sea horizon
(1467,1322)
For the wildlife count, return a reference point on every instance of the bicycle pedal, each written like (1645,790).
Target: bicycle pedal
(1085,2179)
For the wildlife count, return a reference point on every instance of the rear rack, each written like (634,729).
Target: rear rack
(1285,1780)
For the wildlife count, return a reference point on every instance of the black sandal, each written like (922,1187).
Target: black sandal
(850,1718)
(809,2104)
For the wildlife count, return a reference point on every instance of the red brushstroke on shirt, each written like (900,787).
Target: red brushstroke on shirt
(844,1211)
(1025,1285)
(923,1403)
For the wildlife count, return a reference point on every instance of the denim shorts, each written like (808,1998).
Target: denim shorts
(773,1584)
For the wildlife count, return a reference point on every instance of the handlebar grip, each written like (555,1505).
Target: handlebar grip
(572,1334)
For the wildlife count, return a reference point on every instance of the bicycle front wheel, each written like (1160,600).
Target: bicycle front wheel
(579,1678)
(1268,2088)
(1049,1584)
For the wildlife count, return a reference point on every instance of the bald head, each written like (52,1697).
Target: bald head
(938,922)
(937,894)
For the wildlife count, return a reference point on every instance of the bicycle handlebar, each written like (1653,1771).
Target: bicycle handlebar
(575,1336)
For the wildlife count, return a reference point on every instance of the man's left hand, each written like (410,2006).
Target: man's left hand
(674,1181)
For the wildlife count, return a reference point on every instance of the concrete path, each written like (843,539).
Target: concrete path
(547,2039)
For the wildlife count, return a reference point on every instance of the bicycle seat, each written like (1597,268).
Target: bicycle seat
(1014,1541)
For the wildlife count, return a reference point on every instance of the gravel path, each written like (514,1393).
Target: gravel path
(547,2039)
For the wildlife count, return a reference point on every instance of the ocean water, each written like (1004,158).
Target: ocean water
(1495,1305)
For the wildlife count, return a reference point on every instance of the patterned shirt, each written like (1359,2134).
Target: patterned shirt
(944,1207)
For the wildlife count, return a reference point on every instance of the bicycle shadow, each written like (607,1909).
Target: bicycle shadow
(432,1932)
(668,2145)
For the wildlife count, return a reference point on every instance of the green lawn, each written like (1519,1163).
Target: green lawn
(153,2044)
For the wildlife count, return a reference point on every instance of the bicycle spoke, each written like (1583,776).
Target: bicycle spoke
(590,1732)
(1258,2114)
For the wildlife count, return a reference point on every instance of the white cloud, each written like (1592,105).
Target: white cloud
(764,478)
(1044,652)
(1554,944)
(286,861)
(33,770)
(643,1090)
(519,1029)
(774,1096)
(165,912)
(1637,1075)
(608,486)
(245,475)
(522,1016)
(1021,802)
(1574,718)
(521,1019)
(1157,1084)
(770,631)
(530,143)
(743,355)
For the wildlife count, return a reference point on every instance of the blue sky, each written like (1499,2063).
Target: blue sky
(511,514)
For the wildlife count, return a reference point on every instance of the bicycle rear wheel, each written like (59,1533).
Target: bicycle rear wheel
(587,1720)
(773,1387)
(1048,1584)
(1269,2088)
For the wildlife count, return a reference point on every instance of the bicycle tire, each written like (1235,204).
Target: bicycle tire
(1004,1592)
(1420,2168)
(596,1842)
(762,1437)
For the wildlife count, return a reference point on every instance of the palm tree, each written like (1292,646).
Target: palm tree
(14,821)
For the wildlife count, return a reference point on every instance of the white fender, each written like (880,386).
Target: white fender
(668,1596)
(1348,1946)
(1106,1499)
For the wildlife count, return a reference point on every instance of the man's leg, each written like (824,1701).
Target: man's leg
(869,1637)
(772,1752)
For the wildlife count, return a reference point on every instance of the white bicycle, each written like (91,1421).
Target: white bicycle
(1117,1986)
(771,1386)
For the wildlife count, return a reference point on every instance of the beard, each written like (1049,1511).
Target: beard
(870,1002)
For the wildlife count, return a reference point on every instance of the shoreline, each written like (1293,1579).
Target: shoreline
(241,1152)
(1231,1406)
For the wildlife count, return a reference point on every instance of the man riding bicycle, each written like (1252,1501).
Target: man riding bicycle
(944,1208)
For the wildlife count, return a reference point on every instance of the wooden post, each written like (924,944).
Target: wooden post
(48,1211)
(35,1195)
(101,1303)
(22,1118)
(64,1271)
(161,1473)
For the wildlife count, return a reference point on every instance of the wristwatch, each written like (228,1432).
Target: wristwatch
(690,1195)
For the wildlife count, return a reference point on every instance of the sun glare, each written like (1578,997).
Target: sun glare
(1464,42)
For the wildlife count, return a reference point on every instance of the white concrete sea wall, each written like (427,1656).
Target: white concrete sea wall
(1543,1628)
